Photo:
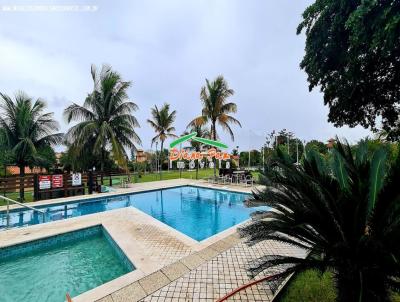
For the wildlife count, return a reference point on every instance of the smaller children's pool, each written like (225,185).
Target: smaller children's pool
(74,262)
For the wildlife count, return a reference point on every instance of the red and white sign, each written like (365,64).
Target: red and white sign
(57,181)
(44,182)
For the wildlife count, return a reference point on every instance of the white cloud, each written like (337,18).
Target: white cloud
(168,48)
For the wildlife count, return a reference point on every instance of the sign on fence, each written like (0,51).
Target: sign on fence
(44,182)
(57,181)
(76,179)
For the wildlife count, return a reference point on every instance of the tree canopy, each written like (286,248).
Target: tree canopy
(26,130)
(106,121)
(352,53)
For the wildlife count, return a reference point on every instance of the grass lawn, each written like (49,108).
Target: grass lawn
(15,195)
(175,174)
(311,286)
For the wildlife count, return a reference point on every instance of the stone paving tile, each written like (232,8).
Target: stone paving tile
(221,245)
(192,261)
(160,247)
(106,299)
(208,253)
(175,270)
(154,281)
(131,293)
(222,274)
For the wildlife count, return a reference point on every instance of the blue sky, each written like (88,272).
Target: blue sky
(168,49)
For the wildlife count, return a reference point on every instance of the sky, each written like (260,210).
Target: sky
(167,49)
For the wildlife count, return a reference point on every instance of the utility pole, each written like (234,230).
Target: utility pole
(249,158)
(297,152)
(263,160)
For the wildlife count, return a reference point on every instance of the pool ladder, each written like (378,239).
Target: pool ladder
(9,200)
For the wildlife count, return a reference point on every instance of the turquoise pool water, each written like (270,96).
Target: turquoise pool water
(46,270)
(194,211)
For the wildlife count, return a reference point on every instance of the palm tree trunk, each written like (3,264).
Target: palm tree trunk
(197,166)
(214,134)
(21,182)
(161,158)
(102,165)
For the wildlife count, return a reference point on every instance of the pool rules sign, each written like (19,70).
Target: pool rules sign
(44,182)
(57,181)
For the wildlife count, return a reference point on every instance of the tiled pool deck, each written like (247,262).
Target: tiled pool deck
(170,265)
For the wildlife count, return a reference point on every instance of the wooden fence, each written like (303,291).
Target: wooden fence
(90,182)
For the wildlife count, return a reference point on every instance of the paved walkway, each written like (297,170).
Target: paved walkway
(207,275)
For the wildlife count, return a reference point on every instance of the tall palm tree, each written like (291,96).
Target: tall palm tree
(201,131)
(106,121)
(216,108)
(162,122)
(345,211)
(26,129)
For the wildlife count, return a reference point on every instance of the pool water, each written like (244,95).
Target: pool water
(194,211)
(48,274)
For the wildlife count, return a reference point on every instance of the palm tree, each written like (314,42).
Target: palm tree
(201,132)
(345,211)
(25,130)
(216,108)
(162,122)
(106,121)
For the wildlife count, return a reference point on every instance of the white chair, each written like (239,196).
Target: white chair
(228,179)
(248,180)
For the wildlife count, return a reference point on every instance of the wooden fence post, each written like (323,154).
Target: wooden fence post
(65,184)
(90,182)
(36,187)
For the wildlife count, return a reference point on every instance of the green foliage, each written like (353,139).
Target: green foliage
(106,122)
(255,158)
(281,140)
(47,158)
(201,131)
(216,108)
(162,123)
(353,55)
(85,160)
(344,209)
(317,146)
(25,130)
(314,286)
(309,286)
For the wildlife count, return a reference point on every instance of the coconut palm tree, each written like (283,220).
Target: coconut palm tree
(216,108)
(162,122)
(201,131)
(106,121)
(25,130)
(345,211)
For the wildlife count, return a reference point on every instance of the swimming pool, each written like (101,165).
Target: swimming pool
(46,269)
(195,211)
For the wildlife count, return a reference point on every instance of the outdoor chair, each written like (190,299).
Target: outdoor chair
(124,182)
(220,179)
(212,179)
(248,180)
(228,179)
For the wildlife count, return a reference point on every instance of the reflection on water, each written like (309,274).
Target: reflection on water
(196,212)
